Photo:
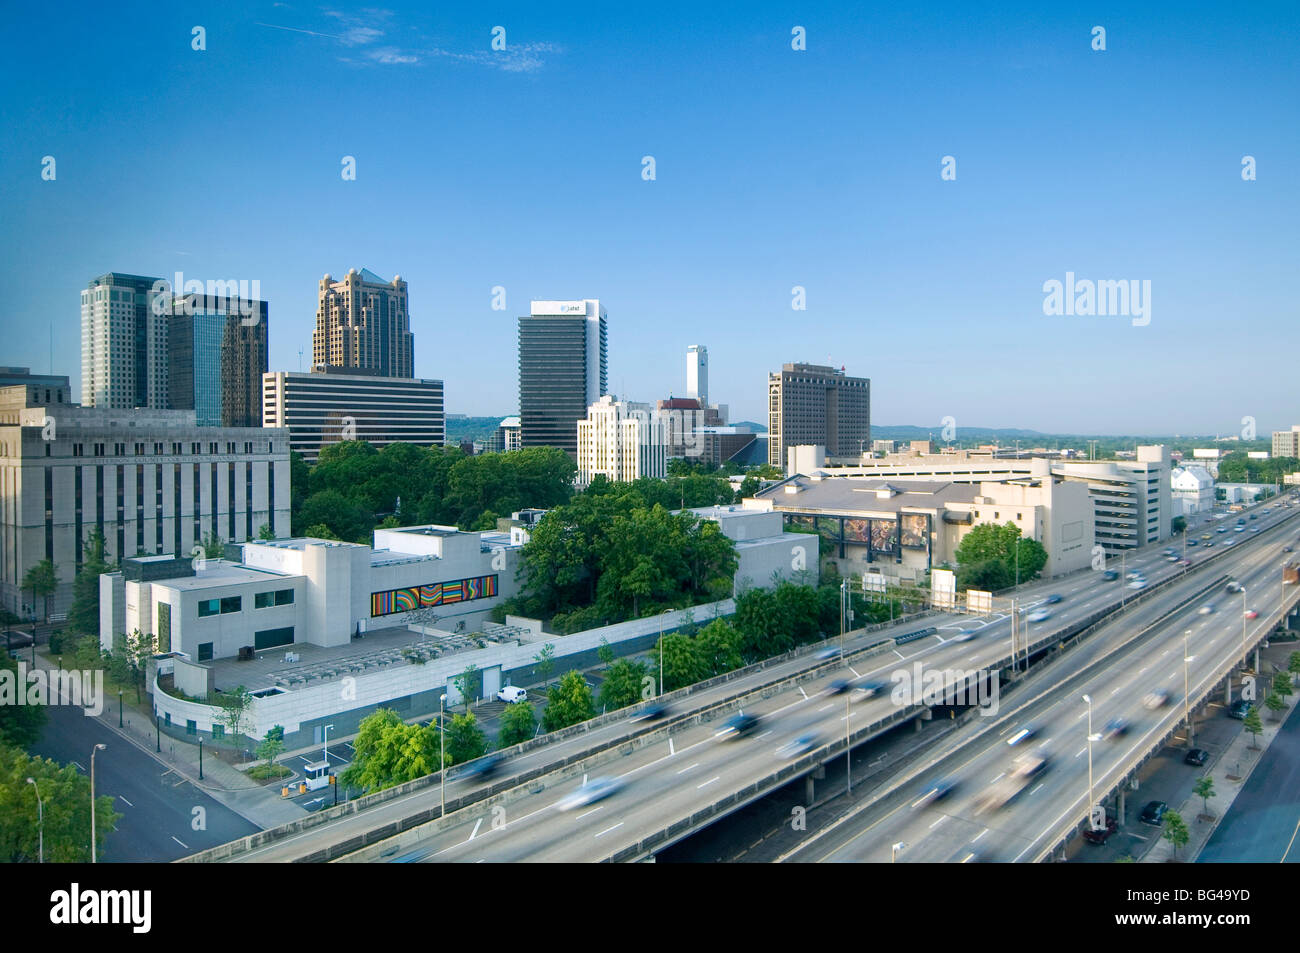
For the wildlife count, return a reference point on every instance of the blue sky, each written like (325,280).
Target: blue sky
(775,168)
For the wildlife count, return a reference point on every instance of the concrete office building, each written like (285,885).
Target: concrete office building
(622,440)
(812,404)
(1132,501)
(1286,443)
(905,528)
(506,437)
(41,388)
(562,370)
(363,326)
(151,481)
(327,407)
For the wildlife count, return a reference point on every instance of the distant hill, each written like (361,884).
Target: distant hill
(471,428)
(910,432)
(751,425)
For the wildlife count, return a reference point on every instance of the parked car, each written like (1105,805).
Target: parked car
(1238,709)
(1196,757)
(1100,836)
(1154,813)
(511,694)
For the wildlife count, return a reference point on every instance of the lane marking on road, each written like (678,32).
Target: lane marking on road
(1115,691)
(77,765)
(1037,789)
(578,818)
(181,842)
(1082,715)
(477,825)
(608,829)
(823,708)
(942,818)
(998,778)
(900,655)
(126,802)
(855,672)
(981,834)
(1082,750)
(688,767)
(671,749)
(707,783)
(763,735)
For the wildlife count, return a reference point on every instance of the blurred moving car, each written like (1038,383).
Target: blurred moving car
(935,792)
(1110,575)
(1024,734)
(1053,599)
(799,746)
(867,690)
(1206,609)
(1039,615)
(481,769)
(1138,584)
(1157,699)
(1115,728)
(653,713)
(1023,770)
(839,686)
(1251,614)
(596,789)
(965,635)
(739,726)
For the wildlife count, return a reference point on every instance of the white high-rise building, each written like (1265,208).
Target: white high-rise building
(623,440)
(123,343)
(697,373)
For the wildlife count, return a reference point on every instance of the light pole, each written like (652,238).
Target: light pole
(843,612)
(1187,702)
(661,649)
(40,820)
(848,754)
(1243,627)
(326,755)
(119,708)
(1091,739)
(893,859)
(200,759)
(93,751)
(442,754)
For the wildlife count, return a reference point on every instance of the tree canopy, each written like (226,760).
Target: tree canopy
(989,556)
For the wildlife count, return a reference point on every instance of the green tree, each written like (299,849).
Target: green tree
(684,664)
(568,702)
(65,797)
(1176,831)
(1282,684)
(320,531)
(623,684)
(718,645)
(272,746)
(465,740)
(346,519)
(236,707)
(1274,703)
(605,652)
(139,650)
(374,754)
(83,615)
(545,660)
(1293,663)
(265,532)
(20,725)
(518,724)
(41,581)
(468,683)
(1253,724)
(213,547)
(991,575)
(1204,789)
(1178,525)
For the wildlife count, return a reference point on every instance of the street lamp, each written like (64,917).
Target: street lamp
(1243,627)
(893,859)
(200,759)
(326,755)
(1091,739)
(40,820)
(1187,706)
(843,611)
(119,708)
(442,754)
(661,649)
(97,748)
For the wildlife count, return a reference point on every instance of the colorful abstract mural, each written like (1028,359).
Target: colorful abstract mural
(433,594)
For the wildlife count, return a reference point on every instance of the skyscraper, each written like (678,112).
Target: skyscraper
(217,354)
(562,370)
(123,343)
(697,373)
(363,326)
(812,404)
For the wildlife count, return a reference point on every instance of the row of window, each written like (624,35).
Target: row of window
(196,449)
(261,600)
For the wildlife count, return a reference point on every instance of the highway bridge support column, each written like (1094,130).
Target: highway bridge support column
(809,778)
(1119,807)
(1227,690)
(1257,660)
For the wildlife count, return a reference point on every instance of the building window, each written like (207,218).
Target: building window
(191,728)
(205,651)
(231,604)
(279,597)
(272,638)
(209,607)
(218,732)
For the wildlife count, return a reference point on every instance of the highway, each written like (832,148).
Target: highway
(667,782)
(959,828)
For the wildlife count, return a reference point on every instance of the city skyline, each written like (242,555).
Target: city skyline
(773,179)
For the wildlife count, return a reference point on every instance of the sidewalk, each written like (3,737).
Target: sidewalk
(1230,772)
(257,803)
